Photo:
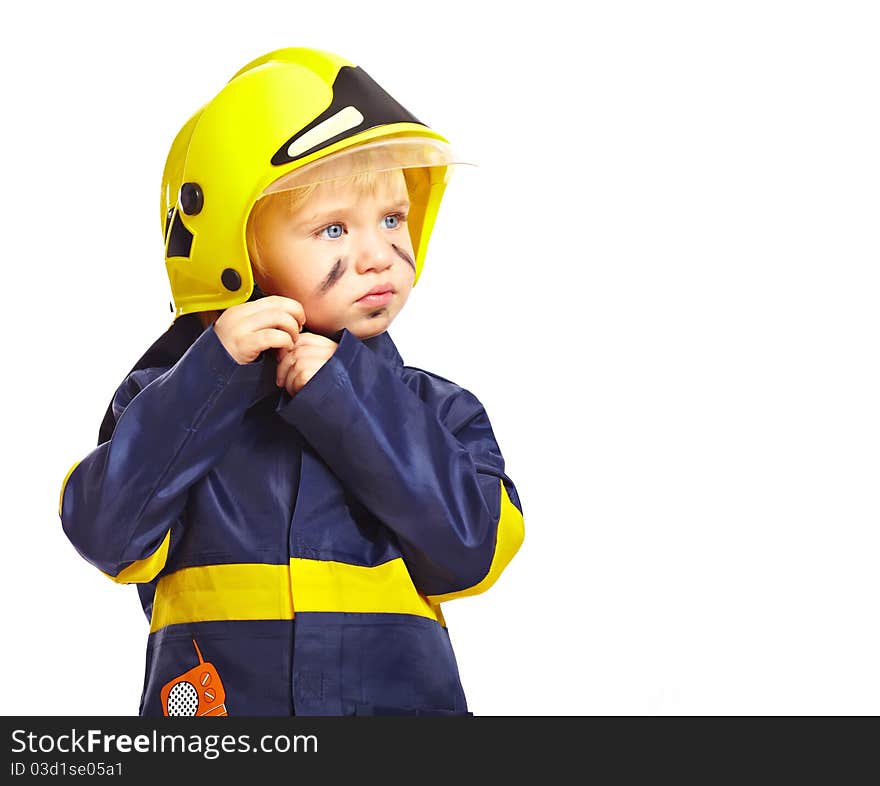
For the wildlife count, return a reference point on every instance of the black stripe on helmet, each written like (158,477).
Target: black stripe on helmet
(352,87)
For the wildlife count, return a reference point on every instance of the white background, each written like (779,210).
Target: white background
(661,280)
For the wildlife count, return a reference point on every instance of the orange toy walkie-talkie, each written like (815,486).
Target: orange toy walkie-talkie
(198,692)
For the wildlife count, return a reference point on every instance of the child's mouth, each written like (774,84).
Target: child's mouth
(376,299)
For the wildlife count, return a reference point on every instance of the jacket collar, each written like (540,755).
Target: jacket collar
(174,342)
(384,347)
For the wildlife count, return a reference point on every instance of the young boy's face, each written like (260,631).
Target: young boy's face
(334,249)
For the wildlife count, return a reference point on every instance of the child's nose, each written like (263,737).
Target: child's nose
(373,252)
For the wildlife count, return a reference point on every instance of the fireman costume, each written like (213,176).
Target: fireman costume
(291,553)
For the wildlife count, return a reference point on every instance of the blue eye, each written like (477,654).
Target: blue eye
(334,231)
(396,219)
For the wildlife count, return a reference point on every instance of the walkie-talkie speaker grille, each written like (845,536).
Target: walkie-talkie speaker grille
(183,699)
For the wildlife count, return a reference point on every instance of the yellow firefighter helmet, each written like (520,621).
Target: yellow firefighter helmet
(281,122)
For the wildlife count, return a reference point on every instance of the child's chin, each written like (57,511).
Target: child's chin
(367,328)
(362,334)
(370,325)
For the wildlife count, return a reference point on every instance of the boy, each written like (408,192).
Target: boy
(294,518)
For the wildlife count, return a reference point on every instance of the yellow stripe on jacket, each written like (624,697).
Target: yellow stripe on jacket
(251,591)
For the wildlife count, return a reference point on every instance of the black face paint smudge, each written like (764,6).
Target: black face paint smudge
(404,256)
(332,277)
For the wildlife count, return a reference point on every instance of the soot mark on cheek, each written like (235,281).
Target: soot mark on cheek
(333,276)
(404,256)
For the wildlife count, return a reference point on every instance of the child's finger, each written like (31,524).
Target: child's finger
(297,379)
(284,366)
(295,308)
(272,337)
(286,304)
(272,317)
(315,339)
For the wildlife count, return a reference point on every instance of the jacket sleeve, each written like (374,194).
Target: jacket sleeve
(120,505)
(433,473)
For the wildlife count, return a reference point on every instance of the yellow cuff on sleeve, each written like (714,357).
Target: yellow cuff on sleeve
(145,569)
(511,531)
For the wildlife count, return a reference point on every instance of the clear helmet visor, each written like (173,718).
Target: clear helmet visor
(382,155)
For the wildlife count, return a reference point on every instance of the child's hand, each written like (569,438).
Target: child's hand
(247,329)
(298,365)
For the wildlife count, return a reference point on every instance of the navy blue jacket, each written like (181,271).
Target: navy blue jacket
(292,553)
